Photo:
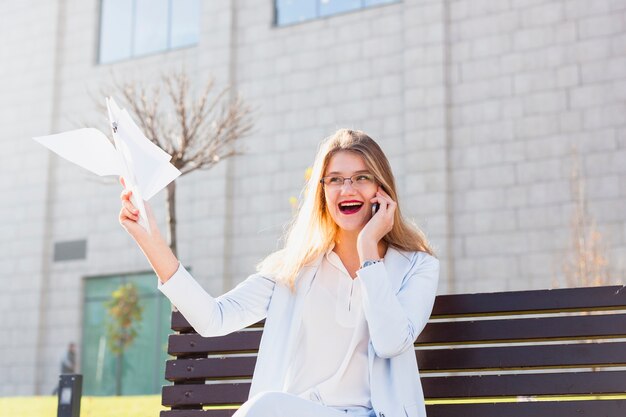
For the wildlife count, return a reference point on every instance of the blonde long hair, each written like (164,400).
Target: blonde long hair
(313,231)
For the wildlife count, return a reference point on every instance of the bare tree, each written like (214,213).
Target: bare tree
(198,131)
(587,264)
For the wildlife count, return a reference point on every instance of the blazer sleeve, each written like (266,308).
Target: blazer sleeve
(395,320)
(242,306)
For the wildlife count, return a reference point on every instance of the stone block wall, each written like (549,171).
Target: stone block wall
(477,103)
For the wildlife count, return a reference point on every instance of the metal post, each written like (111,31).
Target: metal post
(70,392)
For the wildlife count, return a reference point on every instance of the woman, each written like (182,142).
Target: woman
(344,300)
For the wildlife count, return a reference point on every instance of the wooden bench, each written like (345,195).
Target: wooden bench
(556,353)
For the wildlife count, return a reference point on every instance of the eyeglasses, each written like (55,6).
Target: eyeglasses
(357,181)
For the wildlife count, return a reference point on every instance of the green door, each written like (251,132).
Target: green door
(143,363)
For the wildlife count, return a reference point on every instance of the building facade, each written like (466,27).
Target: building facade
(477,103)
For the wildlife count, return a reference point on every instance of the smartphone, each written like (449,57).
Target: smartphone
(375,208)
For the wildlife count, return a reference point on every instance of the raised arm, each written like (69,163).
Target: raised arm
(153,245)
(209,316)
(242,306)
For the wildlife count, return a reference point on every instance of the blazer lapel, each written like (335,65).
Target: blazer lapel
(303,286)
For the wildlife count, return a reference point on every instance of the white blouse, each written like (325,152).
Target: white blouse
(330,364)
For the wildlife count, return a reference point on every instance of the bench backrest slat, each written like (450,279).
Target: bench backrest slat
(604,408)
(547,328)
(434,360)
(573,408)
(512,302)
(519,357)
(573,327)
(571,383)
(210,368)
(214,394)
(191,343)
(583,383)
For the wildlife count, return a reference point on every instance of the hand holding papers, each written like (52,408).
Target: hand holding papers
(144,166)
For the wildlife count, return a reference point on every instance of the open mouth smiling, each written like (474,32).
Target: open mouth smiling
(350,207)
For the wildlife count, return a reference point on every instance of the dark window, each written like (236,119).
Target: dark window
(70,250)
(294,11)
(130,28)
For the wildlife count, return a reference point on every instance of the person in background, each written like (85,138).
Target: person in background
(68,363)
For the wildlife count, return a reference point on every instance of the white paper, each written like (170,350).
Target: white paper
(145,167)
(88,148)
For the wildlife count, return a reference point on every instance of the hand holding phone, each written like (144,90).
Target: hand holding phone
(375,208)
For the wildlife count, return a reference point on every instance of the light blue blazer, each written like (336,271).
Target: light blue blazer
(398,296)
